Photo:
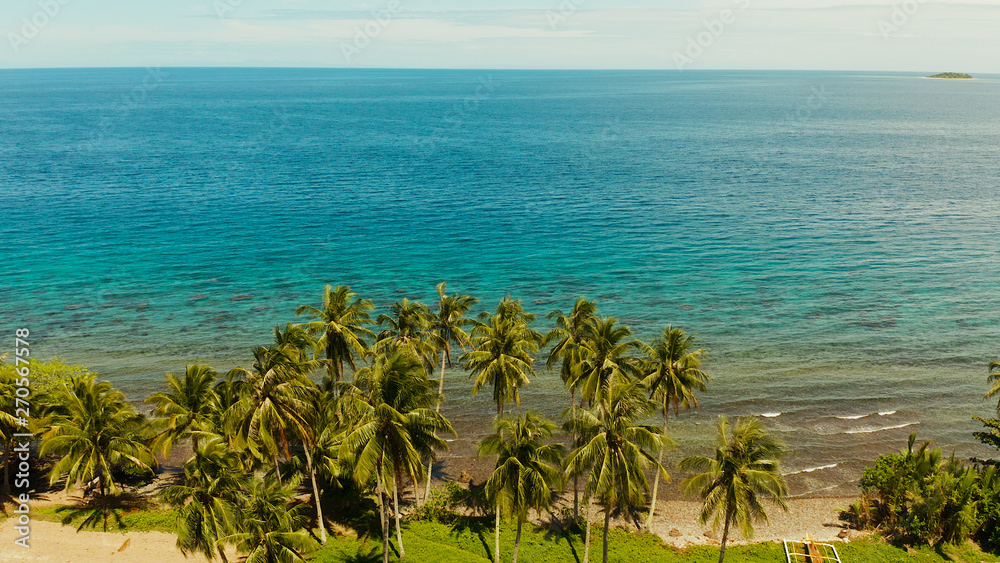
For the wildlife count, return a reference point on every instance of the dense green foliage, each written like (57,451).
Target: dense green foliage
(919,496)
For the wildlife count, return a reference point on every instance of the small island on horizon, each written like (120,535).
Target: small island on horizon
(959,75)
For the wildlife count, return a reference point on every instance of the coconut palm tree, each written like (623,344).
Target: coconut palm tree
(614,451)
(407,326)
(744,471)
(325,430)
(995,380)
(294,341)
(672,372)
(510,308)
(447,326)
(341,323)
(230,390)
(206,503)
(99,433)
(395,428)
(526,470)
(568,336)
(271,411)
(187,409)
(269,523)
(501,354)
(605,359)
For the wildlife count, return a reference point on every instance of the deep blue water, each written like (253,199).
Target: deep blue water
(832,238)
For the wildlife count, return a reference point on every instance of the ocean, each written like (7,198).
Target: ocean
(832,239)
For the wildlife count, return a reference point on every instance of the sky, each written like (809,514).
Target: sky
(877,35)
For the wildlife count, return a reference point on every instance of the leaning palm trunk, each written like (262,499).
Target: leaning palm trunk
(416,489)
(395,510)
(316,497)
(586,537)
(430,464)
(218,544)
(607,526)
(659,462)
(576,478)
(496,549)
(517,539)
(383,519)
(725,537)
(277,470)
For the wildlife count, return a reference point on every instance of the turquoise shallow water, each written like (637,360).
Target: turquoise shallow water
(832,238)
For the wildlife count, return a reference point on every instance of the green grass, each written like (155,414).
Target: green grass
(129,520)
(431,542)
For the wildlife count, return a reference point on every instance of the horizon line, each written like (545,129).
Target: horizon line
(483,69)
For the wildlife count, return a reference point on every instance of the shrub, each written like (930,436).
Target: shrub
(917,497)
(988,535)
(449,503)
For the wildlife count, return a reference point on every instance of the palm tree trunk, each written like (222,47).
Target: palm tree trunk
(277,470)
(395,509)
(104,500)
(218,545)
(430,464)
(517,539)
(316,497)
(441,383)
(607,526)
(586,537)
(379,489)
(430,473)
(576,478)
(656,480)
(496,549)
(416,489)
(331,368)
(725,537)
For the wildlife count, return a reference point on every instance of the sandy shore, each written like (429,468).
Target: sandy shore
(819,518)
(52,542)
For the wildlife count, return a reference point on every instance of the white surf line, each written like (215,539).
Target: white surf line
(871,430)
(811,469)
